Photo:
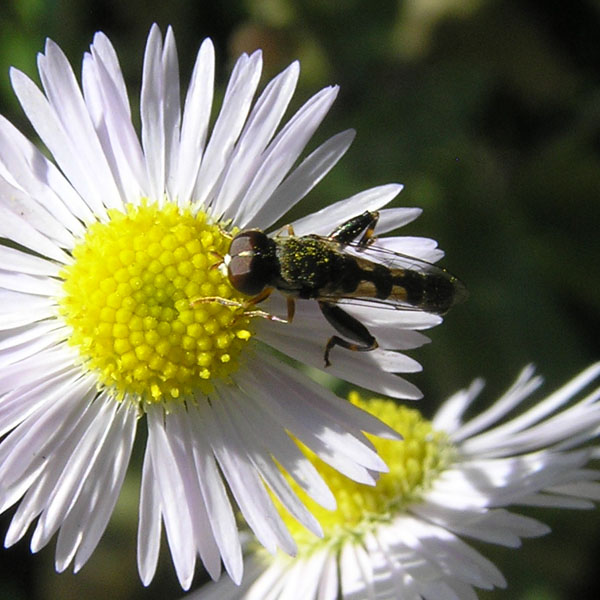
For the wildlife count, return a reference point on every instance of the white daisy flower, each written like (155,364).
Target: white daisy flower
(110,244)
(449,479)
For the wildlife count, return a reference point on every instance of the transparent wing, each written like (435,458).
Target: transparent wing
(394,261)
(390,258)
(388,304)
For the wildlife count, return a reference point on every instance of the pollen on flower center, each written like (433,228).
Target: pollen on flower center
(413,462)
(127,299)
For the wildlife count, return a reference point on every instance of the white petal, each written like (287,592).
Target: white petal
(52,133)
(269,583)
(22,262)
(505,528)
(424,249)
(463,591)
(449,416)
(226,589)
(320,399)
(14,338)
(262,459)
(149,523)
(247,157)
(535,414)
(87,519)
(389,573)
(18,310)
(580,489)
(67,104)
(172,112)
(194,126)
(331,446)
(25,192)
(356,576)
(302,579)
(393,329)
(283,152)
(29,348)
(389,334)
(236,105)
(69,485)
(62,445)
(395,362)
(525,385)
(28,446)
(14,228)
(36,368)
(30,284)
(110,485)
(576,422)
(221,517)
(28,168)
(287,453)
(179,441)
(17,405)
(324,221)
(493,526)
(347,441)
(329,584)
(357,368)
(456,558)
(111,116)
(176,515)
(104,51)
(245,484)
(152,113)
(302,179)
(393,218)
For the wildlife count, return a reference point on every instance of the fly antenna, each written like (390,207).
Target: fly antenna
(219,258)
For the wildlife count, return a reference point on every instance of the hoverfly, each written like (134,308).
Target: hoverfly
(321,268)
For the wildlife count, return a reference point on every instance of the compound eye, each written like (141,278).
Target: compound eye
(249,263)
(245,243)
(241,276)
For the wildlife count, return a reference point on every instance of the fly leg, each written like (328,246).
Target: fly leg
(291,309)
(349,327)
(289,229)
(350,230)
(248,304)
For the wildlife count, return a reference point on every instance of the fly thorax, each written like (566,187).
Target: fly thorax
(306,263)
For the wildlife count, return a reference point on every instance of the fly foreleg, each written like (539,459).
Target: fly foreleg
(291,309)
(352,228)
(349,327)
(247,305)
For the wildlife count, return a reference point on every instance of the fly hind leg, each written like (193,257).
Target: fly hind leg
(349,327)
(351,229)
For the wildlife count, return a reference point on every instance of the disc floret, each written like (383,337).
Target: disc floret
(128,303)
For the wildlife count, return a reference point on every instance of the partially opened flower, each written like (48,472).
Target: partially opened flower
(449,479)
(111,245)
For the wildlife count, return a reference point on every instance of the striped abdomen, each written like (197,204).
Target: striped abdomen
(360,278)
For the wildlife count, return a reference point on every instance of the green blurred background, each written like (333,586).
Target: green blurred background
(489,113)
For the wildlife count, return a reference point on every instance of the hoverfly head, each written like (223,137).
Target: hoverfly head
(251,262)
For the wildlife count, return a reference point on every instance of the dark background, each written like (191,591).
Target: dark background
(489,113)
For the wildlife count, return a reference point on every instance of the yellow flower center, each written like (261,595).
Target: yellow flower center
(128,301)
(413,464)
